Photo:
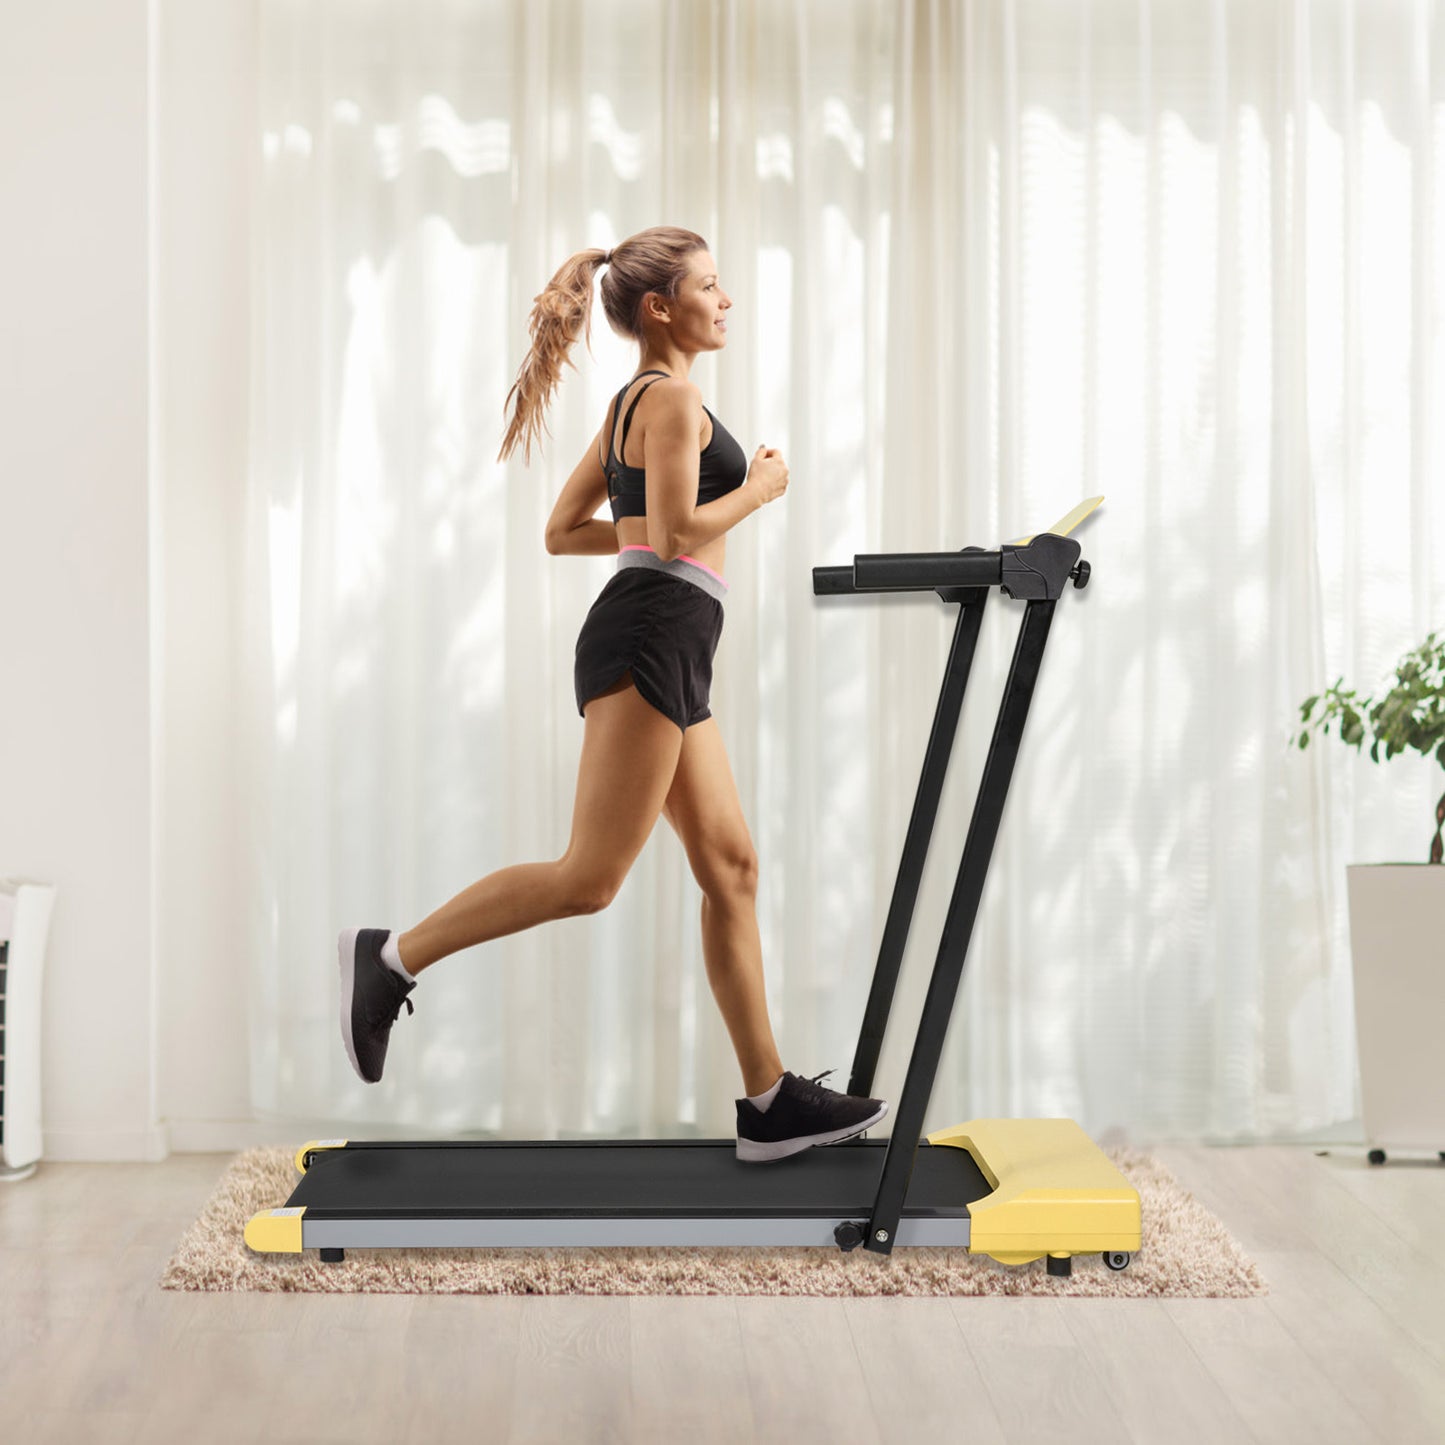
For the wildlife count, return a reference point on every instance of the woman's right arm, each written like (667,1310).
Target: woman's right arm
(676,525)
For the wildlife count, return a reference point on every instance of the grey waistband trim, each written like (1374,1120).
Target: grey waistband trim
(686,571)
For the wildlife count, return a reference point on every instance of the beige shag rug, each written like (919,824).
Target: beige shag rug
(1186,1252)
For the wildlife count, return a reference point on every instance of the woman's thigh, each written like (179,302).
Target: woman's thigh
(704,809)
(629,756)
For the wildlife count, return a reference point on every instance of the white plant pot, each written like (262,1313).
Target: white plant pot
(1397,943)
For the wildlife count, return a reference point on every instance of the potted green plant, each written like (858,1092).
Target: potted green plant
(1397,914)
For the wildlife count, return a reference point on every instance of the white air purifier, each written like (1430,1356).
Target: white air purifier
(24,923)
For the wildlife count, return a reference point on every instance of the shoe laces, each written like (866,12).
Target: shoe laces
(388,1016)
(813,1088)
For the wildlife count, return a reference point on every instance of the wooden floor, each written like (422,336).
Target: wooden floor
(1349,1346)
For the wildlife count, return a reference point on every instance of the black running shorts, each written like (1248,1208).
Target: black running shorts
(661,622)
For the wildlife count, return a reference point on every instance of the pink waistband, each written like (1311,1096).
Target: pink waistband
(638,547)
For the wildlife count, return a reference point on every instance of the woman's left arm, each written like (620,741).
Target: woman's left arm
(596,538)
(574,527)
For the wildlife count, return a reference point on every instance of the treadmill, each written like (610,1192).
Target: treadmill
(1015,1189)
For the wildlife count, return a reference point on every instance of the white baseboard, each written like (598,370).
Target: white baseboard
(233,1136)
(228,1136)
(209,1136)
(106,1146)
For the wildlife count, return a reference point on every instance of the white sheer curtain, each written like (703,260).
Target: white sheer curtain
(986,258)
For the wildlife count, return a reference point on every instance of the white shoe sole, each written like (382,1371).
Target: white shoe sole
(346,962)
(752,1151)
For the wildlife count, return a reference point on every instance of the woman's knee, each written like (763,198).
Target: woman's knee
(731,876)
(587,888)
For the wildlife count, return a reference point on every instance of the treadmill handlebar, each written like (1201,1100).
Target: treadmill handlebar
(1036,571)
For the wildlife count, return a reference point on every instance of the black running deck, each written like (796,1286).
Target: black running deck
(531,1193)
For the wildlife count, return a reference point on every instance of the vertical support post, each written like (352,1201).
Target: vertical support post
(920,833)
(958,926)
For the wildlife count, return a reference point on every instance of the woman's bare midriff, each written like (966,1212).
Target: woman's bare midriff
(632,531)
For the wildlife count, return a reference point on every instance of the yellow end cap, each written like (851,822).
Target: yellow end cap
(312,1146)
(275,1231)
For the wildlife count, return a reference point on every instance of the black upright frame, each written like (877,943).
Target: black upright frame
(1035,573)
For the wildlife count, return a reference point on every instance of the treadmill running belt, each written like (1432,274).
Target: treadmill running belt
(678,1179)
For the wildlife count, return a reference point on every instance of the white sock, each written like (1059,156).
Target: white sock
(762,1101)
(391,957)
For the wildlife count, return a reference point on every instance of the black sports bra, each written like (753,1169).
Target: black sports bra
(721,466)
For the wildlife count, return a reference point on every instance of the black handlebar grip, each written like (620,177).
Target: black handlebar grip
(830,581)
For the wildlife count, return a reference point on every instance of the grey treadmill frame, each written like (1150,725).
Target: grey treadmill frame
(403,1233)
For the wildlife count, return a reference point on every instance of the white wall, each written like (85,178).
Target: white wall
(207,145)
(125,174)
(75,461)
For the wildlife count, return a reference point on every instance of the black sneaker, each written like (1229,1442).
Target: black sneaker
(371,998)
(802,1114)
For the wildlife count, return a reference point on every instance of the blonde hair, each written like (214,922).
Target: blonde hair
(654,260)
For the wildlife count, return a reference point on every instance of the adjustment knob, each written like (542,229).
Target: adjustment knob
(1080,574)
(849,1235)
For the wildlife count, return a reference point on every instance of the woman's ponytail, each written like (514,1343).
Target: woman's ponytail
(652,261)
(560,314)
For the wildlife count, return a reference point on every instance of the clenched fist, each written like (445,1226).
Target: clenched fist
(769,472)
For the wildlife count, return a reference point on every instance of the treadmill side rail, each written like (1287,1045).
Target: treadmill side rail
(1054,1191)
(548,1232)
